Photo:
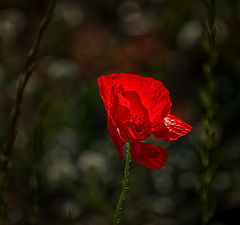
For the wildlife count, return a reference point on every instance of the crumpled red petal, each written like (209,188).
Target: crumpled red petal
(153,95)
(171,128)
(116,138)
(120,116)
(139,124)
(150,156)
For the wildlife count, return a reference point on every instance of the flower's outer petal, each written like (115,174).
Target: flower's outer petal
(171,128)
(150,156)
(154,96)
(116,138)
(116,105)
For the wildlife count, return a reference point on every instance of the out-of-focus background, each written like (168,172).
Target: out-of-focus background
(66,169)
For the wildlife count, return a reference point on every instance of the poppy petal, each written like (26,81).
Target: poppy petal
(153,95)
(116,138)
(120,117)
(150,156)
(139,123)
(120,114)
(171,128)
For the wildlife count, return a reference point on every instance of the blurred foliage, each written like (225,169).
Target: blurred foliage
(65,168)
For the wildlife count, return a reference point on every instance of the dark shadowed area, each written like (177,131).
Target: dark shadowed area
(65,168)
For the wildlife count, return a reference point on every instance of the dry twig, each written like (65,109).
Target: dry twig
(5,155)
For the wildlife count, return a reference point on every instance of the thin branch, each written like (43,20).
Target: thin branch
(24,77)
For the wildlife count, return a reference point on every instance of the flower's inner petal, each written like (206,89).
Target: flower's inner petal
(171,128)
(150,156)
(139,123)
(116,137)
(120,116)
(119,113)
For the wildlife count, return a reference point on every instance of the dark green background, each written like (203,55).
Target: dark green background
(65,168)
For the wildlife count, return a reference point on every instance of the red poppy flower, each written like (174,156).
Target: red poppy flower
(136,108)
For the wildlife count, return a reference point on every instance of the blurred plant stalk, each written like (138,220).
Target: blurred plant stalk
(5,155)
(207,98)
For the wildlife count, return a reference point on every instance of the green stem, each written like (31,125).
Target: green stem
(116,219)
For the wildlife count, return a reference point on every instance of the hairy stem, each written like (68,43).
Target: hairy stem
(5,155)
(124,187)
